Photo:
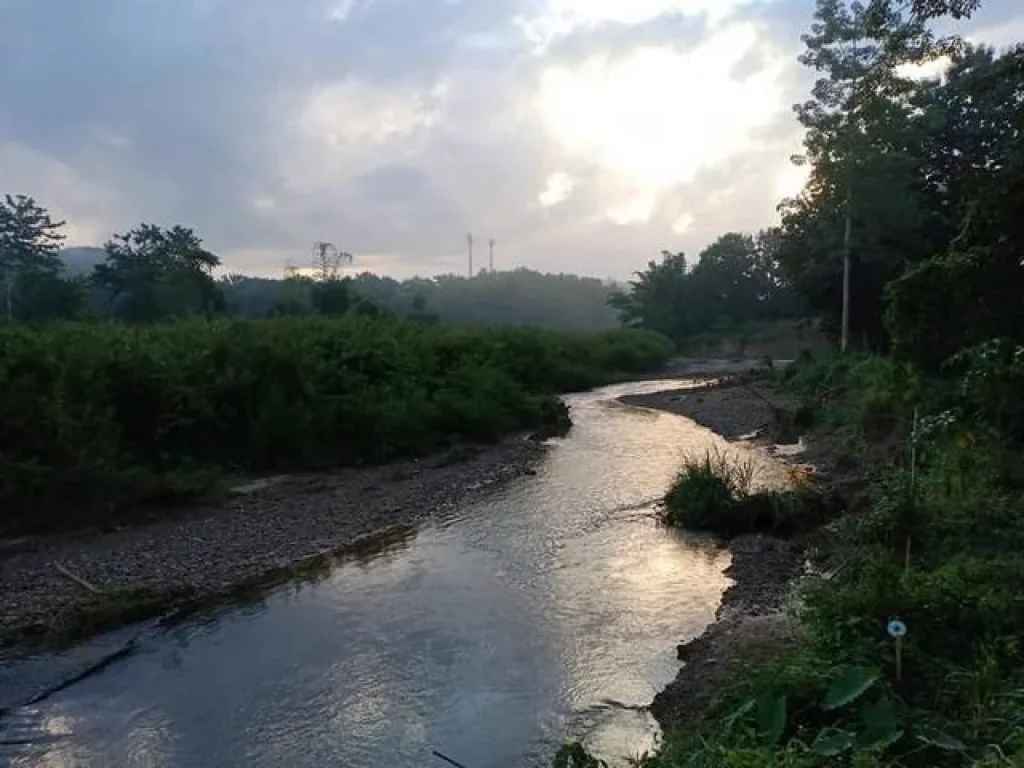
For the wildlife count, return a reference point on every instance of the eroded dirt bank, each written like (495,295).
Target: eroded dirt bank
(56,589)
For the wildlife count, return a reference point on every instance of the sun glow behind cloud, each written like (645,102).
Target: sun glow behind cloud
(658,116)
(563,17)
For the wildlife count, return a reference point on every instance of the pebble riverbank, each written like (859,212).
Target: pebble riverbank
(57,589)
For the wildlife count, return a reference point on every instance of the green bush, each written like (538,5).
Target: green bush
(715,494)
(94,415)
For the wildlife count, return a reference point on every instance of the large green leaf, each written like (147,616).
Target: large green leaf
(771,716)
(849,687)
(883,726)
(933,737)
(832,742)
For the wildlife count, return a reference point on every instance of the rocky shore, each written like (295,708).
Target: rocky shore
(56,589)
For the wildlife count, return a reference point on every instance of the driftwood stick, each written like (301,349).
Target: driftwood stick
(448,759)
(63,571)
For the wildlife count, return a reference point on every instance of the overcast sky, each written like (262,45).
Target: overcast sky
(582,135)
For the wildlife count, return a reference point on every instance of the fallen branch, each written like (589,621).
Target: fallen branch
(448,759)
(63,571)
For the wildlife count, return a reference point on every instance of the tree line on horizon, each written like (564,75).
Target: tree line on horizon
(151,274)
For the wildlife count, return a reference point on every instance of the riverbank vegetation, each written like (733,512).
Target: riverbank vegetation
(936,556)
(94,416)
(715,494)
(134,383)
(912,640)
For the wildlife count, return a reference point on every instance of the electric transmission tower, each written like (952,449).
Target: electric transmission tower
(327,259)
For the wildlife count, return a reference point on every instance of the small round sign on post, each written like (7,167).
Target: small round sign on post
(897,631)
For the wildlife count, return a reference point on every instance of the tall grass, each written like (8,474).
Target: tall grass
(94,415)
(715,493)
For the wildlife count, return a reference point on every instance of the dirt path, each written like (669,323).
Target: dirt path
(54,590)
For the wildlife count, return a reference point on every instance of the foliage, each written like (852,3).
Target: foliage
(332,297)
(517,297)
(981,277)
(715,493)
(30,270)
(862,145)
(735,280)
(104,414)
(939,548)
(152,274)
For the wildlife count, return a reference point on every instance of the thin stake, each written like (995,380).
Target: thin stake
(65,571)
(448,759)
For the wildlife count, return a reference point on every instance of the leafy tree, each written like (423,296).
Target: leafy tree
(153,273)
(46,295)
(29,243)
(861,214)
(976,291)
(657,299)
(332,297)
(735,281)
(958,9)
(971,123)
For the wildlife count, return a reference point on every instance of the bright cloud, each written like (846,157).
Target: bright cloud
(659,116)
(562,17)
(556,190)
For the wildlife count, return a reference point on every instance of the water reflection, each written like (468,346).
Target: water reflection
(549,610)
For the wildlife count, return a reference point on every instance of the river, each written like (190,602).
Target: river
(548,610)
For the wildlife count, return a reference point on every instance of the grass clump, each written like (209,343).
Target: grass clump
(715,493)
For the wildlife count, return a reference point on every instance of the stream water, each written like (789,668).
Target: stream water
(548,610)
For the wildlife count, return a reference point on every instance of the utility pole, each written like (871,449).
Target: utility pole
(469,240)
(490,265)
(847,235)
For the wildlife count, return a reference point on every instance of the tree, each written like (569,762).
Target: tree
(958,9)
(971,121)
(152,273)
(332,297)
(29,242)
(975,291)
(736,281)
(657,298)
(860,217)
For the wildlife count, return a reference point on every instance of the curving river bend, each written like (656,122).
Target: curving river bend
(548,610)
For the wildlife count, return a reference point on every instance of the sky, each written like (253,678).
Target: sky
(580,135)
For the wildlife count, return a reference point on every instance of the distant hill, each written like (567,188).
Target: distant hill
(79,260)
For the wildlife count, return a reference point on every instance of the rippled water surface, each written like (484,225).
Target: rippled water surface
(549,610)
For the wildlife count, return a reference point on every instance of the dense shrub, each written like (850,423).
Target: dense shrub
(100,414)
(714,494)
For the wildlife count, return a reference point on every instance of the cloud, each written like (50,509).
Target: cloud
(583,135)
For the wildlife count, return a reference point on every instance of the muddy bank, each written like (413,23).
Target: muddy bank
(749,628)
(54,590)
(731,408)
(747,407)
